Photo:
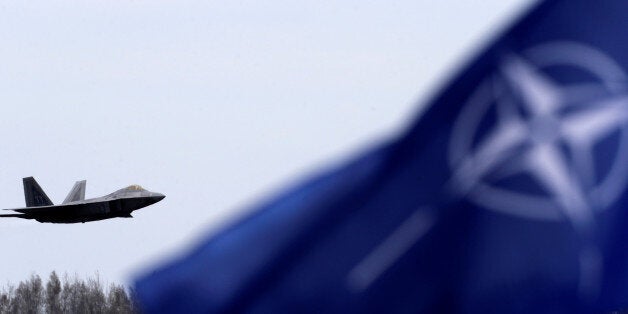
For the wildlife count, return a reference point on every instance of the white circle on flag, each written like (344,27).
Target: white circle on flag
(546,135)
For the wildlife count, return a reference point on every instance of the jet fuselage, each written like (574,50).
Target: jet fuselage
(76,209)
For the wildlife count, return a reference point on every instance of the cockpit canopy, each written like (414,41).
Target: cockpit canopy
(134,187)
(130,191)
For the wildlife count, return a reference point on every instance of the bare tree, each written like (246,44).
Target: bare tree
(53,294)
(5,300)
(29,296)
(119,301)
(96,300)
(68,296)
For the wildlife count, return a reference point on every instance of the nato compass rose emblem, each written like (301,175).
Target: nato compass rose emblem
(546,137)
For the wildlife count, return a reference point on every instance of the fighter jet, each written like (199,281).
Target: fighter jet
(75,208)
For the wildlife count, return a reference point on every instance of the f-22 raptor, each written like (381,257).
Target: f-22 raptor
(75,208)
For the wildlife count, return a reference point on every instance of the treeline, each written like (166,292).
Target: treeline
(66,296)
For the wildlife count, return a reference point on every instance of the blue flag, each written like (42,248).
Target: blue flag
(508,195)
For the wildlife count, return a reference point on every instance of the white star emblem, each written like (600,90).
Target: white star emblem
(550,136)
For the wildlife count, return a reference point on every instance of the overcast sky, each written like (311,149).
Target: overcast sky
(216,104)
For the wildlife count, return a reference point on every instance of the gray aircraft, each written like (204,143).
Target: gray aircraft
(75,208)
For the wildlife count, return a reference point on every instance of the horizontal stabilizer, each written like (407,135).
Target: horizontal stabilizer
(50,209)
(46,209)
(77,193)
(15,216)
(33,193)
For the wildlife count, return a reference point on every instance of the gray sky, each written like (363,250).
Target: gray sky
(216,104)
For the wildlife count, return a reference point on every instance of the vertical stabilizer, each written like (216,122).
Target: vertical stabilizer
(33,193)
(77,193)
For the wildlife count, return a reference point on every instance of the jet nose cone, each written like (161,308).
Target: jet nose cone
(158,197)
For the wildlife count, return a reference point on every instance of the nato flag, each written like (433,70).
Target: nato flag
(507,195)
